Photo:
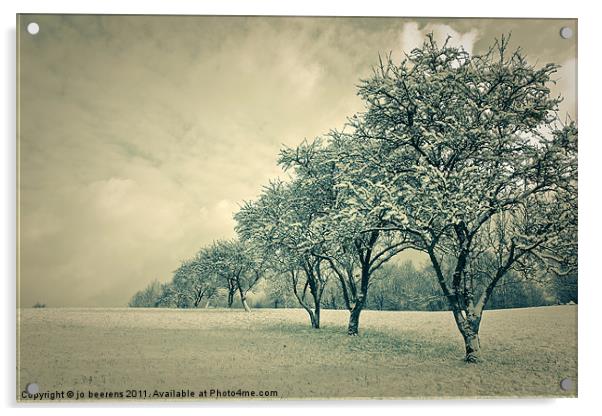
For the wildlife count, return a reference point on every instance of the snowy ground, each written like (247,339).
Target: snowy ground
(398,354)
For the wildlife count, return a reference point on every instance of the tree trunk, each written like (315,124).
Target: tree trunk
(354,319)
(362,298)
(312,318)
(314,315)
(230,298)
(380,302)
(316,322)
(243,300)
(207,304)
(473,347)
(469,328)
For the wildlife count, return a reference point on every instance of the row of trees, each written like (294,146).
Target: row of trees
(229,265)
(462,158)
(395,287)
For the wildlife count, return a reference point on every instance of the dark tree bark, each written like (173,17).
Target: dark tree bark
(472,345)
(354,319)
(461,299)
(362,296)
(316,321)
(199,294)
(230,297)
(316,286)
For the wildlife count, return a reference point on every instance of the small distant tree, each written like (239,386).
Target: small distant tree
(39,305)
(169,297)
(333,296)
(565,288)
(237,264)
(277,291)
(147,297)
(405,287)
(195,280)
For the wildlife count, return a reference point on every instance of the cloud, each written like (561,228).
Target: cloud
(413,35)
(141,137)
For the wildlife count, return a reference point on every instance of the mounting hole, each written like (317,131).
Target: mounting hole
(566,32)
(32,388)
(33,28)
(566,384)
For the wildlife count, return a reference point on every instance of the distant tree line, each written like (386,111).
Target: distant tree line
(461,158)
(397,287)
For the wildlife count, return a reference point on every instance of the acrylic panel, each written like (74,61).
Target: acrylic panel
(231,207)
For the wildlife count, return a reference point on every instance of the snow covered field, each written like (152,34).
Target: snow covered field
(526,352)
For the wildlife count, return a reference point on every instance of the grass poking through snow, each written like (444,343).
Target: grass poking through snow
(526,352)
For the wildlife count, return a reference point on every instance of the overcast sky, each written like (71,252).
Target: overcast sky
(139,136)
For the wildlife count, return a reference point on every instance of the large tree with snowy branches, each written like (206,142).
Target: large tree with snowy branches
(468,158)
(351,239)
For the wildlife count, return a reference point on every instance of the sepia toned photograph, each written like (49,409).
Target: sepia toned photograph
(222,208)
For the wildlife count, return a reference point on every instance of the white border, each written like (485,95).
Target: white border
(589,171)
